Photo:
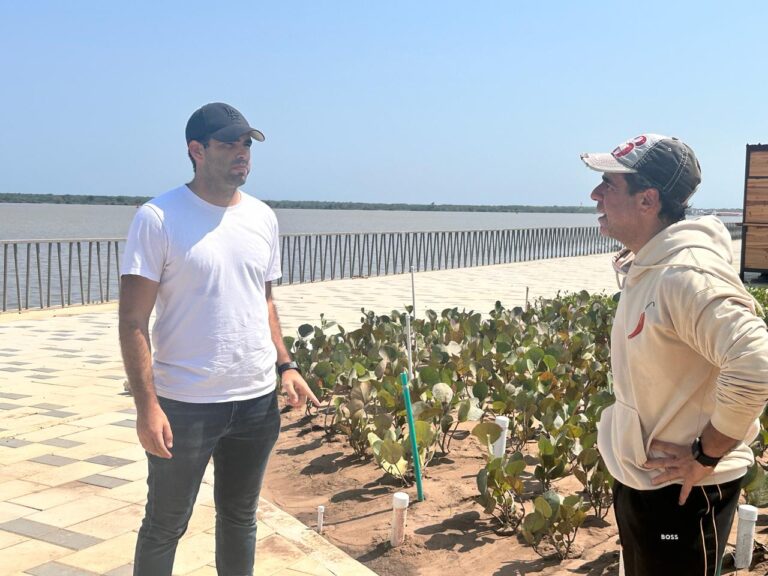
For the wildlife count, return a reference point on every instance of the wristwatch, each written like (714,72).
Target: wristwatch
(288,366)
(700,457)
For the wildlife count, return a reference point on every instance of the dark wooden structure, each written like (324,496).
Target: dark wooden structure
(754,243)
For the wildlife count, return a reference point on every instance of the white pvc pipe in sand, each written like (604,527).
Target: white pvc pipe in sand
(320,513)
(399,515)
(621,563)
(500,446)
(745,536)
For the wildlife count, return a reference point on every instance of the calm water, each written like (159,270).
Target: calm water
(49,221)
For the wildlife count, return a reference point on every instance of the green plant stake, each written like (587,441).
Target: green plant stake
(412,434)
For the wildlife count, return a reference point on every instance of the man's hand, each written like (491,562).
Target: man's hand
(154,431)
(296,389)
(677,465)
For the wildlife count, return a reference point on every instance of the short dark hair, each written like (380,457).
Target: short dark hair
(194,166)
(672,209)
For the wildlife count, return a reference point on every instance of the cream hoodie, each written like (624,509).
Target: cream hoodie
(686,348)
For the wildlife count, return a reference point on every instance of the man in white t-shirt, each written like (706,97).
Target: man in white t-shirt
(204,255)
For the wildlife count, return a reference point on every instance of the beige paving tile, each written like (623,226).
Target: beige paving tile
(122,434)
(28,554)
(194,552)
(203,519)
(56,431)
(112,524)
(296,532)
(262,530)
(10,539)
(269,514)
(16,488)
(94,448)
(207,570)
(50,497)
(134,492)
(27,423)
(22,470)
(132,451)
(133,471)
(105,556)
(77,511)
(205,496)
(25,453)
(339,563)
(100,420)
(275,553)
(9,511)
(306,567)
(92,435)
(56,476)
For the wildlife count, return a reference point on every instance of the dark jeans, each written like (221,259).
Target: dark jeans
(660,537)
(240,437)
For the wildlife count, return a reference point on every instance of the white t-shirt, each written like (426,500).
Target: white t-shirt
(211,336)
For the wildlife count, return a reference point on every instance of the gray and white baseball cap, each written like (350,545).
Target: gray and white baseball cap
(667,162)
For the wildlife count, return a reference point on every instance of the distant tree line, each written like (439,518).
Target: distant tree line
(72,199)
(311,204)
(306,204)
(323,205)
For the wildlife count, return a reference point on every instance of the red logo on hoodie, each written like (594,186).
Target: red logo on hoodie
(639,327)
(640,322)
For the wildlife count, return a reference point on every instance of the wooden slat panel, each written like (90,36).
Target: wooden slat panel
(758,163)
(756,253)
(756,203)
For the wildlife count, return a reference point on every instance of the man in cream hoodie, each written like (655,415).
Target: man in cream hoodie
(689,358)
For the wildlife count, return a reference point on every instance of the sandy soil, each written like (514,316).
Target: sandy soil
(446,533)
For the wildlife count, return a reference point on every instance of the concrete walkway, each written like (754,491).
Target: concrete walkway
(73,476)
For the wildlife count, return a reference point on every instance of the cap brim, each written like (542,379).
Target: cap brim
(232,133)
(257,135)
(605,162)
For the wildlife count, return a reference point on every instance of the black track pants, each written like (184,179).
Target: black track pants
(659,537)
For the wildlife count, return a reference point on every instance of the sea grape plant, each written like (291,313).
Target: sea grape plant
(555,520)
(500,483)
(545,366)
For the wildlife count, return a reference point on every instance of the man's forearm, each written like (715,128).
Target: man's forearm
(276,332)
(715,443)
(137,359)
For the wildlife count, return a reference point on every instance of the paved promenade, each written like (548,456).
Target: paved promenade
(72,475)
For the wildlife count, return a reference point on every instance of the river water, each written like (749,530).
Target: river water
(47,221)
(54,221)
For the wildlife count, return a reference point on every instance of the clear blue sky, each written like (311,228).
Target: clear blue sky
(396,101)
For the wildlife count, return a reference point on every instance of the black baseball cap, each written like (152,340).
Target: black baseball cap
(221,122)
(667,162)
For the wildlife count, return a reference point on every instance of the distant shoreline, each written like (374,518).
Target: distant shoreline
(9,198)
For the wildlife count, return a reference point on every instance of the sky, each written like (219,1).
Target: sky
(399,101)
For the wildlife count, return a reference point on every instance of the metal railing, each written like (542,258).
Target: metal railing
(310,257)
(59,272)
(49,273)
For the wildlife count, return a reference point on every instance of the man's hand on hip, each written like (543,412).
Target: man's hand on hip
(296,389)
(677,465)
(154,431)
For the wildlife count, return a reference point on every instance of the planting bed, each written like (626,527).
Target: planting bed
(447,533)
(546,367)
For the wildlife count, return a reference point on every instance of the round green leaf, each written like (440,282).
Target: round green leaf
(487,432)
(442,393)
(391,451)
(429,375)
(542,507)
(480,391)
(305,330)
